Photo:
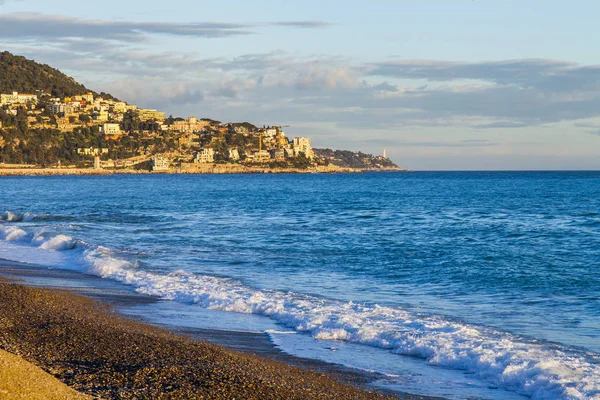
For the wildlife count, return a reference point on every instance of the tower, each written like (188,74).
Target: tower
(384,154)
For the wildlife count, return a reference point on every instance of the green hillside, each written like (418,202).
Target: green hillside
(27,76)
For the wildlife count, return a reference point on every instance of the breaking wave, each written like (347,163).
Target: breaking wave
(533,368)
(9,216)
(16,217)
(40,239)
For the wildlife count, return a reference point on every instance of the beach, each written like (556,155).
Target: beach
(21,379)
(82,342)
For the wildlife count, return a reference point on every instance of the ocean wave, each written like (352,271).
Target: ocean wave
(538,370)
(532,368)
(16,217)
(41,239)
(59,242)
(9,216)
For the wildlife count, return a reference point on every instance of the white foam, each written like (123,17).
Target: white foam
(13,234)
(41,239)
(537,370)
(59,242)
(16,217)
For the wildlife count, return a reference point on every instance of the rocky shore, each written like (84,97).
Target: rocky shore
(95,351)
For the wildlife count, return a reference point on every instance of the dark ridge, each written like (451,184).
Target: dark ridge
(351,159)
(19,74)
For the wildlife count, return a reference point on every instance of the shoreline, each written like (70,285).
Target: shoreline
(97,310)
(189,170)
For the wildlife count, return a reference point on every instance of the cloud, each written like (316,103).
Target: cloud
(401,143)
(595,125)
(501,124)
(283,86)
(317,77)
(590,127)
(35,25)
(176,93)
(549,76)
(509,71)
(303,24)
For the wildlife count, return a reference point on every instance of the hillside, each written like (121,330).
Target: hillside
(72,129)
(27,76)
(351,159)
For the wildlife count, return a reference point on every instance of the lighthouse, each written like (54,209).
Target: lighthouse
(384,154)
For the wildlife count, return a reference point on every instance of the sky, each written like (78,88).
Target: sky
(439,84)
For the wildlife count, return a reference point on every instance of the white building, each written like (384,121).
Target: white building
(302,145)
(205,156)
(89,98)
(189,125)
(149,115)
(92,151)
(262,155)
(56,108)
(64,108)
(119,107)
(160,164)
(271,133)
(110,129)
(15,97)
(234,154)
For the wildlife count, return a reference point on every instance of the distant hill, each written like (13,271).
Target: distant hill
(18,74)
(351,159)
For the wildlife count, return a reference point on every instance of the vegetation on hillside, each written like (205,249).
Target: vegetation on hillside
(351,159)
(18,74)
(38,134)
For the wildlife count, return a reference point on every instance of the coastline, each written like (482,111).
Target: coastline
(193,169)
(85,343)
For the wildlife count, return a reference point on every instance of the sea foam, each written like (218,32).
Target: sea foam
(17,217)
(536,369)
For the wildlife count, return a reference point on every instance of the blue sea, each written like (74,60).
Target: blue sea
(458,284)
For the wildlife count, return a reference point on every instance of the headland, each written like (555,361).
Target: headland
(60,123)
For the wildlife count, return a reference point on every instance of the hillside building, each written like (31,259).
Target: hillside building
(234,154)
(205,156)
(160,164)
(149,115)
(302,145)
(111,129)
(92,151)
(190,125)
(17,98)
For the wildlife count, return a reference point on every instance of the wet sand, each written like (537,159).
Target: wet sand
(87,345)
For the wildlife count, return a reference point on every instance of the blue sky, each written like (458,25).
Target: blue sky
(440,84)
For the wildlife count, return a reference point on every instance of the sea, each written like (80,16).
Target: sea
(464,285)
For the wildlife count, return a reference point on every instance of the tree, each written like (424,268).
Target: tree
(131,121)
(301,162)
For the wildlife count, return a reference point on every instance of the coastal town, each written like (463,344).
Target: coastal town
(104,133)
